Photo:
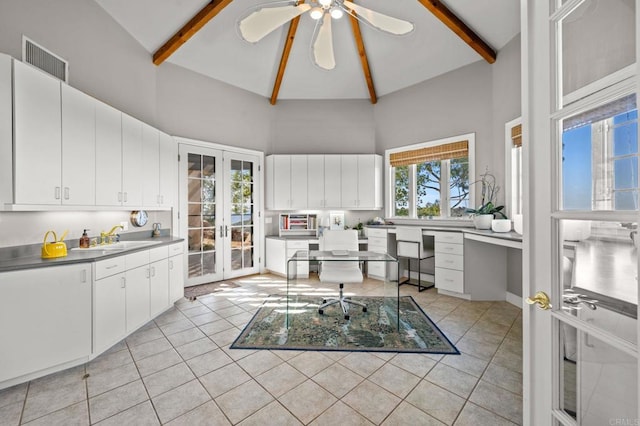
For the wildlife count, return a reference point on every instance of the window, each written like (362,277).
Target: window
(430,179)
(600,158)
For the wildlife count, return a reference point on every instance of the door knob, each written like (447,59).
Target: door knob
(541,299)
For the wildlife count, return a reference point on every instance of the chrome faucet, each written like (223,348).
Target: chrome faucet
(107,237)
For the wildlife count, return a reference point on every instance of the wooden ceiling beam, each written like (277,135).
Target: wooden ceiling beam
(189,30)
(288,43)
(456,25)
(362,53)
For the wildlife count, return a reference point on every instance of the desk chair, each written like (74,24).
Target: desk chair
(410,244)
(340,271)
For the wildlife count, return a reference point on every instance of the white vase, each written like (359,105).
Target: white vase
(501,225)
(482,221)
(517,223)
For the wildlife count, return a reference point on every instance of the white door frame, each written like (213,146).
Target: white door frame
(259,233)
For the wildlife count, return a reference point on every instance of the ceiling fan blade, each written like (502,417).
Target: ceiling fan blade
(379,20)
(323,45)
(263,21)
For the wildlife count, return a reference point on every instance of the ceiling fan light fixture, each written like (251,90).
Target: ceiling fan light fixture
(336,12)
(325,3)
(316,13)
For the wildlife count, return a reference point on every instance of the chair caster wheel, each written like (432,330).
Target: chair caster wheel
(320,311)
(364,309)
(324,301)
(346,317)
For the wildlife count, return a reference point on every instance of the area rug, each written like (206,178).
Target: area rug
(375,330)
(193,292)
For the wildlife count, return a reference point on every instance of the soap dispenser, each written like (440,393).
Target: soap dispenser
(85,242)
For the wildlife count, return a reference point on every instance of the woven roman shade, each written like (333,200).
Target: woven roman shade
(447,151)
(516,135)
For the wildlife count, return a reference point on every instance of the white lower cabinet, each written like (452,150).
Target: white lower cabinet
(279,251)
(138,295)
(109,311)
(377,242)
(176,272)
(449,261)
(45,318)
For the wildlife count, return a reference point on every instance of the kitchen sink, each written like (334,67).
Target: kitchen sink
(120,246)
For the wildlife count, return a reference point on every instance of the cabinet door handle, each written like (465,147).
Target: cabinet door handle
(125,197)
(66,192)
(221,232)
(112,266)
(153,271)
(148,273)
(119,197)
(57,193)
(123,282)
(83,279)
(171,264)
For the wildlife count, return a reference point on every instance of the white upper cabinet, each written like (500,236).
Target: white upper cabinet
(78,147)
(150,166)
(132,174)
(168,170)
(315,183)
(37,137)
(108,160)
(298,182)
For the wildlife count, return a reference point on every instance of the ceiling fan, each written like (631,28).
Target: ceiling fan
(268,17)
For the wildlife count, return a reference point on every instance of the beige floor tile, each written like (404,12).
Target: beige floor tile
(109,361)
(195,348)
(416,364)
(259,362)
(285,355)
(338,379)
(371,401)
(472,415)
(49,399)
(117,400)
(508,360)
(55,381)
(10,414)
(407,414)
(240,320)
(205,318)
(226,337)
(394,379)
(451,326)
(307,401)
(479,349)
(435,401)
(208,414)
(176,326)
(169,316)
(167,379)
(14,394)
(362,363)
(157,362)
(281,379)
(230,311)
(186,336)
(242,401)
(180,400)
(272,414)
(150,348)
(76,414)
(106,380)
(311,363)
(237,354)
(224,379)
(341,414)
(467,363)
(195,311)
(140,415)
(207,362)
(216,327)
(503,377)
(499,401)
(452,380)
(144,336)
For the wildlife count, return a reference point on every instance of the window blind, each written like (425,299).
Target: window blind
(447,151)
(619,106)
(516,135)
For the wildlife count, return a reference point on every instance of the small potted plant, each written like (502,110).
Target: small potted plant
(484,215)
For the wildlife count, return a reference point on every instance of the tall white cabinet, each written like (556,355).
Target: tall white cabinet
(108,160)
(297,182)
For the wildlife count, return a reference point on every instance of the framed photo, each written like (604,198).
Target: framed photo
(336,220)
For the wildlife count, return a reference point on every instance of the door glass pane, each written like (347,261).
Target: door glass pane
(598,38)
(597,380)
(599,271)
(201,221)
(242,198)
(600,158)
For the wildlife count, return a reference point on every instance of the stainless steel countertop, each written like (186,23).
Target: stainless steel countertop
(29,256)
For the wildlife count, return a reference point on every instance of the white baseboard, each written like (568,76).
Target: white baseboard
(454,294)
(514,300)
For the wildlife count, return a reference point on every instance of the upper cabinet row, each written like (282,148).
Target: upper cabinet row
(71,149)
(352,182)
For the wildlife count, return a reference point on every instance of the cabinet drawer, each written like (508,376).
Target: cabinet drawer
(448,279)
(176,249)
(450,261)
(135,260)
(158,253)
(449,237)
(106,268)
(378,243)
(450,248)
(378,269)
(297,245)
(380,233)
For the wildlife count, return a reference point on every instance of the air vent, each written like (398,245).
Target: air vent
(41,58)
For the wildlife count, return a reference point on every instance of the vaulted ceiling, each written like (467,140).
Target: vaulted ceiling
(203,36)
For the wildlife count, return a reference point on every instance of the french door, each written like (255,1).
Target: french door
(218,214)
(581,204)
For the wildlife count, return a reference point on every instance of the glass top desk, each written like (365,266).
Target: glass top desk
(300,296)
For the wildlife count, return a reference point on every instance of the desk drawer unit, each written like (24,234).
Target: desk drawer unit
(449,262)
(302,268)
(377,242)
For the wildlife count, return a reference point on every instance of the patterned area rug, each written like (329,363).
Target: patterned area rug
(200,290)
(374,330)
